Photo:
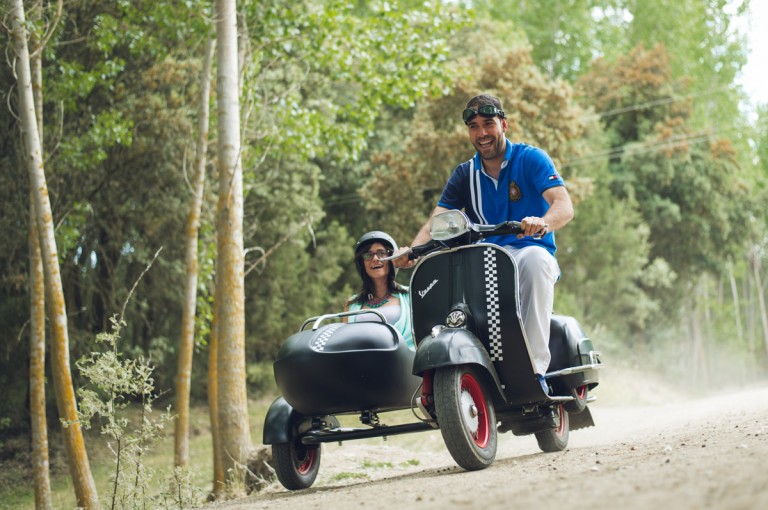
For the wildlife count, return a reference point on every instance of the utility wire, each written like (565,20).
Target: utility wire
(657,102)
(645,148)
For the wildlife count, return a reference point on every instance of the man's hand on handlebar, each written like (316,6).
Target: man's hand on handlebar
(401,260)
(533,226)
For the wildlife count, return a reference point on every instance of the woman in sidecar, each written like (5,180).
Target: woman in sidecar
(379,290)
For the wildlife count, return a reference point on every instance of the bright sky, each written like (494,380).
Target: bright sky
(755,73)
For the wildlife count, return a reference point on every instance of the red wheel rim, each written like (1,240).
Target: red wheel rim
(561,420)
(304,465)
(471,386)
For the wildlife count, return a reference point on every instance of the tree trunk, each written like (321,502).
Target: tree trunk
(219,477)
(234,431)
(39,421)
(85,489)
(755,260)
(736,305)
(186,347)
(700,372)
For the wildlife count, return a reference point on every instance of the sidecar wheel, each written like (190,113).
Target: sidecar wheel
(296,465)
(556,439)
(466,416)
(579,401)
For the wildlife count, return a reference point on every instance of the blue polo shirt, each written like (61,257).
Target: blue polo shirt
(526,173)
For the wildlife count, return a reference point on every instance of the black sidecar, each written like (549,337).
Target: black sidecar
(342,367)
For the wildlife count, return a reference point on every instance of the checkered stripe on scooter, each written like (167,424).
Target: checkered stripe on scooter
(318,343)
(492,299)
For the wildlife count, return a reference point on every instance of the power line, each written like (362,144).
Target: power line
(656,102)
(691,138)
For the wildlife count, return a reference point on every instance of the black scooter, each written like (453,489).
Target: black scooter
(471,375)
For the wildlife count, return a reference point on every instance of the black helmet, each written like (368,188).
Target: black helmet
(368,239)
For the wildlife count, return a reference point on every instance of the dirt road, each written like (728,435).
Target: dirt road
(656,451)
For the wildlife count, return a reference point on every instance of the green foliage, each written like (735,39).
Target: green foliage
(608,276)
(320,76)
(568,37)
(707,50)
(348,475)
(369,464)
(114,383)
(260,378)
(679,179)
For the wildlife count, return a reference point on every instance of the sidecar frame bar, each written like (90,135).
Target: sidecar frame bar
(343,434)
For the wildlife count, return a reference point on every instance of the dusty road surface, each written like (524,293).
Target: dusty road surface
(654,450)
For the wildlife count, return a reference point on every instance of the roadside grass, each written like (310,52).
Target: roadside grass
(17,487)
(17,491)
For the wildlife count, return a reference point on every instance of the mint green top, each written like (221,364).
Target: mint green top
(403,323)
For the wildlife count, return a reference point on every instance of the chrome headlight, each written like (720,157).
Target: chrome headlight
(448,225)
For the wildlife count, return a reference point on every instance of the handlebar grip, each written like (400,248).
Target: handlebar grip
(542,233)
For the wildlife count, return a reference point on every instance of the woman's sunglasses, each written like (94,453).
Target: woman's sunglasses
(487,110)
(368,256)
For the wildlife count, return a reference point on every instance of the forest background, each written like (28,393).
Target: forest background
(350,122)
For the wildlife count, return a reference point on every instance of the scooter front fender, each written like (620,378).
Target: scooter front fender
(278,425)
(454,346)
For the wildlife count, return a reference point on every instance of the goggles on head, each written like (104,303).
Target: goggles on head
(487,110)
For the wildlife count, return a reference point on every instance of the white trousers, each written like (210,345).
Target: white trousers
(538,272)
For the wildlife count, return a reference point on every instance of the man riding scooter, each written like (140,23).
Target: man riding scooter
(511,182)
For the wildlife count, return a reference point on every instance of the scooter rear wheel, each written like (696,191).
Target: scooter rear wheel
(296,465)
(556,439)
(466,416)
(579,402)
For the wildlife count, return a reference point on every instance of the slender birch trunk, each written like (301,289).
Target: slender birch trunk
(219,477)
(39,421)
(235,440)
(736,304)
(699,353)
(186,347)
(38,417)
(85,489)
(755,260)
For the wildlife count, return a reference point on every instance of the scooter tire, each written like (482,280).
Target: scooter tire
(466,417)
(556,439)
(296,465)
(579,402)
